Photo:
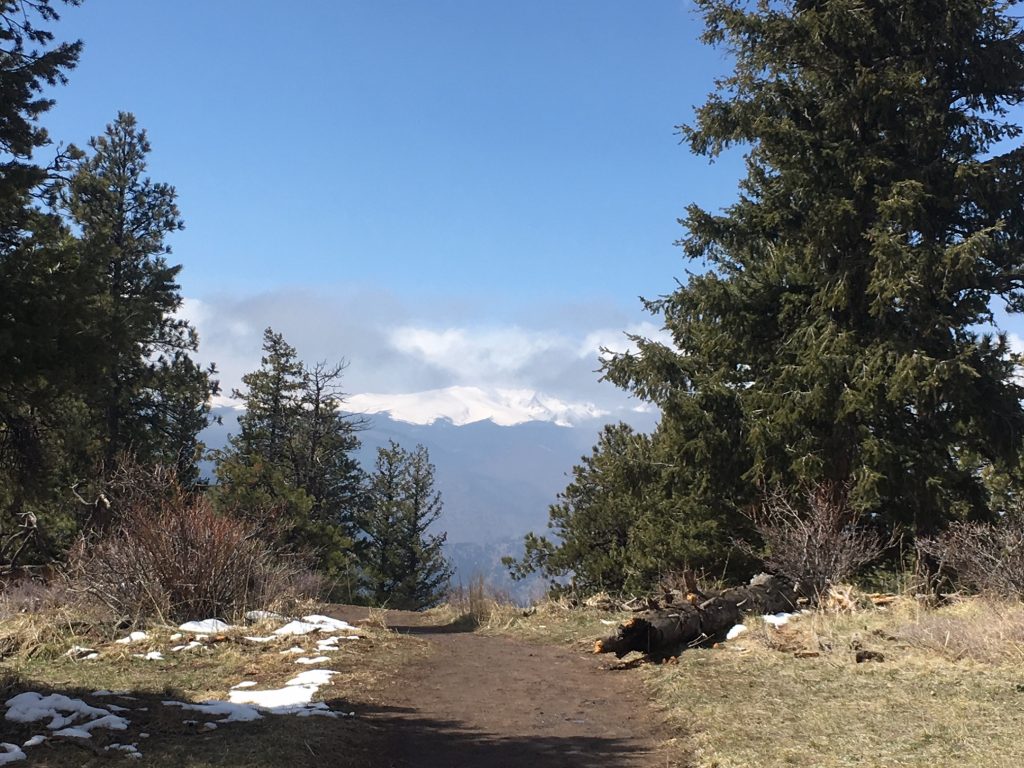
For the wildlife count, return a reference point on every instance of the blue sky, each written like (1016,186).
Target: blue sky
(449,192)
(517,150)
(504,176)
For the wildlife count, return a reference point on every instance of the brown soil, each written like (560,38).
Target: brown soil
(481,700)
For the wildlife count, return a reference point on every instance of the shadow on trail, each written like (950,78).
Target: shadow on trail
(457,626)
(408,739)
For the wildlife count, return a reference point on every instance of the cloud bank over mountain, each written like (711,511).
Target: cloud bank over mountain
(466,363)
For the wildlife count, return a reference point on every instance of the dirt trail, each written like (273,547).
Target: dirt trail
(493,701)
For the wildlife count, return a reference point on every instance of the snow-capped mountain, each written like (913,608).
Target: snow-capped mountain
(466,405)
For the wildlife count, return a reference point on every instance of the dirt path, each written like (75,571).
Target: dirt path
(492,701)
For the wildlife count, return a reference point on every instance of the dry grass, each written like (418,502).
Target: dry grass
(476,607)
(949,691)
(37,662)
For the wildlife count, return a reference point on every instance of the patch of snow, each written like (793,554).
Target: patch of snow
(81,652)
(134,637)
(115,708)
(295,698)
(73,733)
(244,684)
(129,750)
(11,753)
(297,628)
(260,639)
(313,677)
(187,647)
(295,649)
(777,619)
(236,713)
(151,656)
(35,741)
(31,707)
(209,726)
(206,625)
(331,643)
(314,660)
(736,631)
(328,624)
(176,636)
(281,701)
(315,711)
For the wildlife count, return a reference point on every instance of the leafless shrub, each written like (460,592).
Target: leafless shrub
(985,558)
(171,556)
(816,538)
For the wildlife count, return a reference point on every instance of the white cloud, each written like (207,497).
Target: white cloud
(472,355)
(397,347)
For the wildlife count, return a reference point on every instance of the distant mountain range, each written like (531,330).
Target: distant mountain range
(500,457)
(466,405)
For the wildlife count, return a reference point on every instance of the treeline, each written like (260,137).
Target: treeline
(98,382)
(837,394)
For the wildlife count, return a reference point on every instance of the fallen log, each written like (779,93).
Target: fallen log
(682,621)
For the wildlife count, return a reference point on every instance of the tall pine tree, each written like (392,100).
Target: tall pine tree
(839,330)
(292,462)
(151,397)
(404,566)
(46,349)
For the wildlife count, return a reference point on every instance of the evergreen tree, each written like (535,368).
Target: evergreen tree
(292,460)
(616,527)
(838,333)
(44,347)
(254,473)
(326,468)
(404,565)
(152,398)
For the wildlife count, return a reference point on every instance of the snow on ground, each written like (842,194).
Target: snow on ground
(313,677)
(777,619)
(206,625)
(129,750)
(134,637)
(314,623)
(31,707)
(69,718)
(10,753)
(331,643)
(295,698)
(736,631)
(79,652)
(236,713)
(74,718)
